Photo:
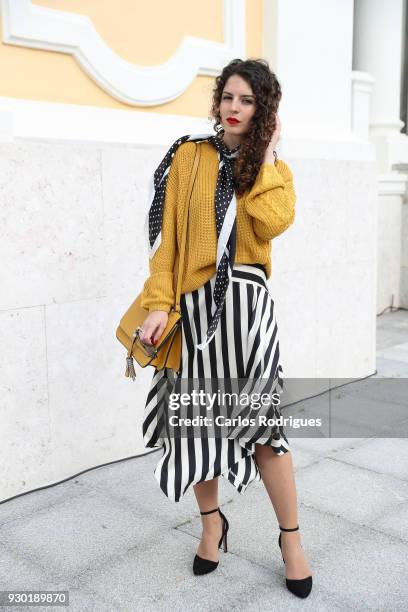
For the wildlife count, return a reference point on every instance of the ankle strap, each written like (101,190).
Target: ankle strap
(209,511)
(293,529)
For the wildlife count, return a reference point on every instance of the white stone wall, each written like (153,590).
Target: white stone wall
(73,258)
(71,264)
(325,272)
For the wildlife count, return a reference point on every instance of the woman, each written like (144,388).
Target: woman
(243,197)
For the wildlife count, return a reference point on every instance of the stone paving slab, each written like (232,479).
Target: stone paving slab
(348,491)
(378,455)
(87,530)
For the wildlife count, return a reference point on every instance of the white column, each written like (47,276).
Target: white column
(309,46)
(378,50)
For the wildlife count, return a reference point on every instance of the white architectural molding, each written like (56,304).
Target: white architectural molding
(51,121)
(28,25)
(392,184)
(386,125)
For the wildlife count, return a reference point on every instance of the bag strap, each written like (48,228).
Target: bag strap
(184,232)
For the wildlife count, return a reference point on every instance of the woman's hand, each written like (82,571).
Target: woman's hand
(269,157)
(153,326)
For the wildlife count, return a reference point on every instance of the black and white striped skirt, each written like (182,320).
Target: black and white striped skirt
(245,348)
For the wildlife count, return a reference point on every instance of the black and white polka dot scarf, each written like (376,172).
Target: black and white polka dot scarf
(225,214)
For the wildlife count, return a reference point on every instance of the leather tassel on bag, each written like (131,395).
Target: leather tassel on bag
(130,368)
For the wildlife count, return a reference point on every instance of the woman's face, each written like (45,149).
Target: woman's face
(237,101)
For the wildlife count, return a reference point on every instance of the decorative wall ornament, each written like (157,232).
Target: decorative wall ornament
(28,25)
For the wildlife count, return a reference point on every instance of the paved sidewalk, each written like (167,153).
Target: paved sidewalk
(113,539)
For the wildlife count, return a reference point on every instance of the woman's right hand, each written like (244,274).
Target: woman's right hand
(153,326)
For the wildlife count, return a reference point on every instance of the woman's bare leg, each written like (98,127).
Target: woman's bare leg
(278,477)
(207,499)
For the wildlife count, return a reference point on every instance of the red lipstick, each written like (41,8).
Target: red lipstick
(232,120)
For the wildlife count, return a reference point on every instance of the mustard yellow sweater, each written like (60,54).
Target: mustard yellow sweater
(263,212)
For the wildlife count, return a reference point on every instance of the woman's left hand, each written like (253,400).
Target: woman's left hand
(269,156)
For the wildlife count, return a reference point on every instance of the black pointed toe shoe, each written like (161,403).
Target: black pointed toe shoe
(204,566)
(302,587)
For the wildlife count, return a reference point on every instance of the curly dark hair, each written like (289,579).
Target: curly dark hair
(268,93)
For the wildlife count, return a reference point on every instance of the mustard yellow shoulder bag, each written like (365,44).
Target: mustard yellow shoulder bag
(167,352)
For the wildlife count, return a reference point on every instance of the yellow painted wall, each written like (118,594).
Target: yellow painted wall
(137,31)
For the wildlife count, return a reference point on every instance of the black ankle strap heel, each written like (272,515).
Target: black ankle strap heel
(301,587)
(204,566)
(291,529)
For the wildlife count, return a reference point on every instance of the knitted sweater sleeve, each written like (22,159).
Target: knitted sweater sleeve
(158,290)
(271,200)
